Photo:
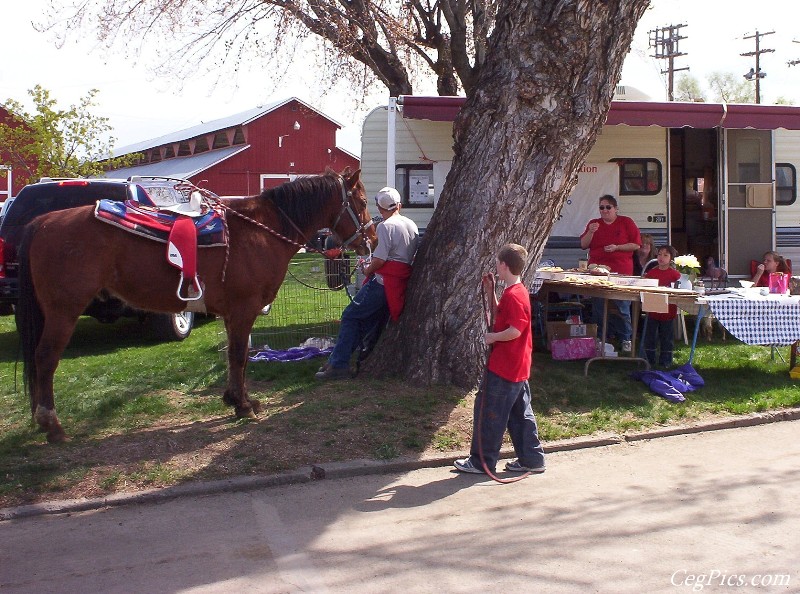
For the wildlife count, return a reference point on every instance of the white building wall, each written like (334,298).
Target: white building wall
(787,218)
(427,142)
(620,142)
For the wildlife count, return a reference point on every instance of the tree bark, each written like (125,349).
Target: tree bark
(541,97)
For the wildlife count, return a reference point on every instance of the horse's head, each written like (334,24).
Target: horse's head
(353,225)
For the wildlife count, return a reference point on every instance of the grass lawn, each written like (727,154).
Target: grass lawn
(143,414)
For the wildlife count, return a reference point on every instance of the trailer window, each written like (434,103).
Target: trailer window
(785,184)
(415,184)
(639,176)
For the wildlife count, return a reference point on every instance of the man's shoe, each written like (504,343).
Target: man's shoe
(466,465)
(516,466)
(626,346)
(333,373)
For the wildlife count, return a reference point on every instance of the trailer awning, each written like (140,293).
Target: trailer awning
(762,117)
(665,115)
(640,113)
(436,109)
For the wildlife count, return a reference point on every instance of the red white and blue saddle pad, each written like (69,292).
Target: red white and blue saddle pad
(157,224)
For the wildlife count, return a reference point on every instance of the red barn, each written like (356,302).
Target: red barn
(241,154)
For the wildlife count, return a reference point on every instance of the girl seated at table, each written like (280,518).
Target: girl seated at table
(772,262)
(659,325)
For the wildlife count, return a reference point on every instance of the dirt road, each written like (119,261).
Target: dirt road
(711,512)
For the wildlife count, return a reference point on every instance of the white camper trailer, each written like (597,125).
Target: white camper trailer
(711,179)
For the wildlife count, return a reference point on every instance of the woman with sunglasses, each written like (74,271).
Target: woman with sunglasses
(611,240)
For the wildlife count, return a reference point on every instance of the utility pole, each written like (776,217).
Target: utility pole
(756,73)
(665,41)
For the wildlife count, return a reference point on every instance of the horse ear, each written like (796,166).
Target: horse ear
(354,178)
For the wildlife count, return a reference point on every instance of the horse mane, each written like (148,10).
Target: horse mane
(303,199)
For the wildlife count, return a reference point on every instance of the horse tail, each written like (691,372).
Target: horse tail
(29,316)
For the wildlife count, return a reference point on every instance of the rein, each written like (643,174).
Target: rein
(342,277)
(361,229)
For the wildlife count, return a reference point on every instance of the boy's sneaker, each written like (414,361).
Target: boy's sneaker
(516,466)
(626,346)
(466,465)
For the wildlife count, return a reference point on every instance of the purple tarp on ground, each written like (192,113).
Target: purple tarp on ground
(671,385)
(292,354)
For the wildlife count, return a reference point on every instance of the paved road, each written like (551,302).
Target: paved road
(644,517)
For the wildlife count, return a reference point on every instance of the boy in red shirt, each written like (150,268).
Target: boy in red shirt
(505,394)
(659,325)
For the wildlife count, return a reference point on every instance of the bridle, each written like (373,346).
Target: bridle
(347,208)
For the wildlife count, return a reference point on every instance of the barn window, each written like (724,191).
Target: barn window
(415,184)
(221,139)
(238,136)
(785,184)
(641,177)
(201,145)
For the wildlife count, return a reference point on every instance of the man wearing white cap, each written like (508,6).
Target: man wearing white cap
(383,295)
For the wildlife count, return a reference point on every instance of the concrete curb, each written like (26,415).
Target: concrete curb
(352,468)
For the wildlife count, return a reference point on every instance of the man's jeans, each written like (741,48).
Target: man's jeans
(367,310)
(506,405)
(618,325)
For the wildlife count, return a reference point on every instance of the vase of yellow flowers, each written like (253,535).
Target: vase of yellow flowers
(689,268)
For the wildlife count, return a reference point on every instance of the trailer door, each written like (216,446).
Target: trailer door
(750,198)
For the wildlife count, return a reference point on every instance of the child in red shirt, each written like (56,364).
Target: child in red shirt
(504,400)
(659,325)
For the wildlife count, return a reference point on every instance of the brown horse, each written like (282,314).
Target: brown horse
(68,257)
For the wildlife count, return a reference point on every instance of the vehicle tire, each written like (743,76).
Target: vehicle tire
(172,327)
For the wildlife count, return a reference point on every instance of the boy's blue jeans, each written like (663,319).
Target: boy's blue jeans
(506,405)
(367,309)
(659,333)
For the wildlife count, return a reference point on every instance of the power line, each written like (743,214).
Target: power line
(666,40)
(756,73)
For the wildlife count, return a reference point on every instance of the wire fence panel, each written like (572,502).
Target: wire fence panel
(308,306)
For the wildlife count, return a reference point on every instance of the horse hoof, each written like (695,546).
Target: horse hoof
(246,413)
(56,436)
(256,404)
(48,423)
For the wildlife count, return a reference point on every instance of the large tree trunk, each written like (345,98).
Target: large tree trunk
(541,98)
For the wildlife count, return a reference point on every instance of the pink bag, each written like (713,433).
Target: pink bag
(778,282)
(570,349)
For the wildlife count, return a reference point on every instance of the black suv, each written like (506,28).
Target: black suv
(49,195)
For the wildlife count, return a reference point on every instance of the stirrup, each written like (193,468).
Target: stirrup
(194,286)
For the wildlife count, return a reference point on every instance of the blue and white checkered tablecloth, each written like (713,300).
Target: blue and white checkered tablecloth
(763,320)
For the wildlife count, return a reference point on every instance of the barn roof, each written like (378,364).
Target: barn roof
(237,119)
(181,167)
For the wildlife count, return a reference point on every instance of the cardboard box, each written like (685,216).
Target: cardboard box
(561,330)
(571,349)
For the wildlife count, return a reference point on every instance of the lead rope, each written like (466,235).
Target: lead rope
(481,395)
(215,204)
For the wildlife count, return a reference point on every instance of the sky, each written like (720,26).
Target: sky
(140,106)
